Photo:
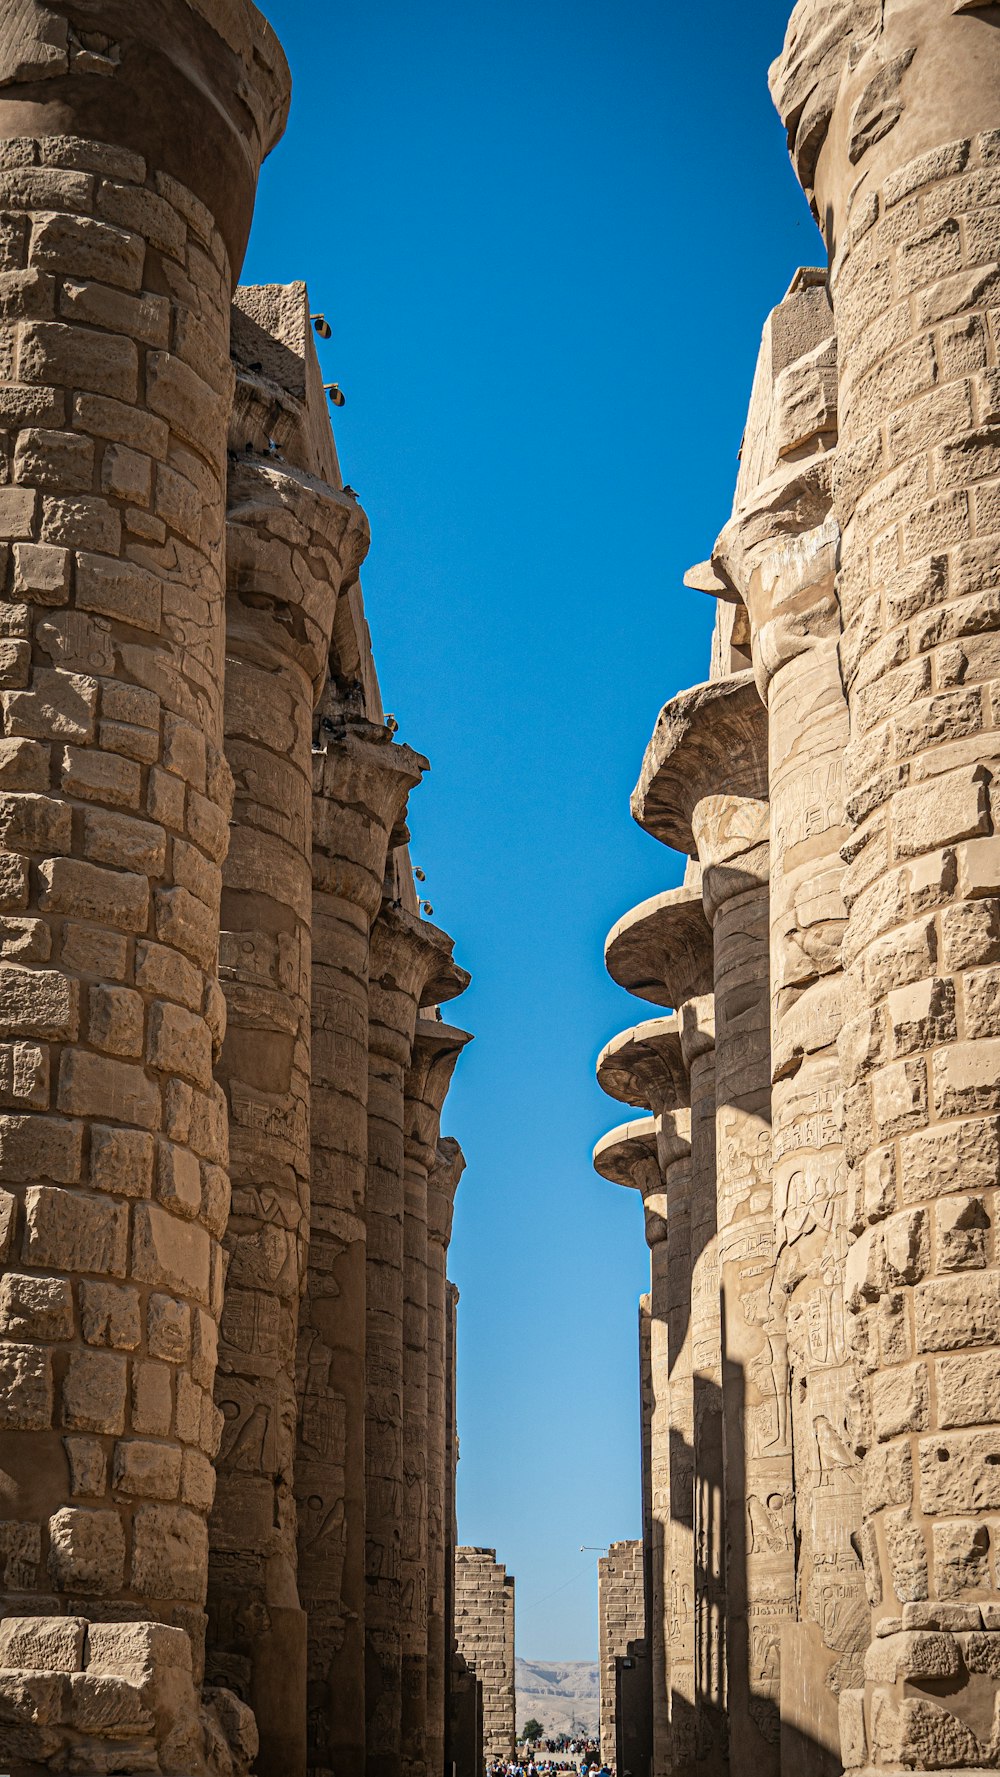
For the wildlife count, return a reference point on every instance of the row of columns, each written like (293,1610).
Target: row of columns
(743,776)
(225,1208)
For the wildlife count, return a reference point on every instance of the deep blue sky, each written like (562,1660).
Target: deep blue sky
(546,233)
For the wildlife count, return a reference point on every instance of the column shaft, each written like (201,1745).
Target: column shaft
(759,1567)
(114,351)
(913,282)
(360,784)
(442,1184)
(673,1449)
(274,670)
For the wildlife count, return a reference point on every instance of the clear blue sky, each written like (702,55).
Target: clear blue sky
(546,233)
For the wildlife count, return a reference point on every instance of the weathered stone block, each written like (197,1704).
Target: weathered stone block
(171,1252)
(35,1307)
(67,1231)
(170,1552)
(86,1550)
(93,1392)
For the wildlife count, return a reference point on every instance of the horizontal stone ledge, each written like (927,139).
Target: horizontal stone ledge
(662,950)
(709,741)
(644,1066)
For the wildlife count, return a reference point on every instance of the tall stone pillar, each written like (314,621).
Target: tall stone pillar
(779,553)
(361,780)
(435,1052)
(454,1666)
(291,541)
(645,1067)
(442,1183)
(893,113)
(410,965)
(662,951)
(621,1622)
(122,237)
(703,790)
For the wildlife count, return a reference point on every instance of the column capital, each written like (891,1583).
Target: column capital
(200,88)
(442,1185)
(292,541)
(433,1058)
(709,743)
(633,1156)
(644,1066)
(361,781)
(410,965)
(662,950)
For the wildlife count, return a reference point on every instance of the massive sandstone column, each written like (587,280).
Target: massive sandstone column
(703,790)
(361,781)
(435,1052)
(121,238)
(662,951)
(645,1067)
(443,1180)
(410,966)
(291,541)
(892,112)
(779,552)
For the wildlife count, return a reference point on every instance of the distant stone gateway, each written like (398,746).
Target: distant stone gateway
(819,1163)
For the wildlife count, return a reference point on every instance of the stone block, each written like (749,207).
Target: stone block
(121,1160)
(110,1314)
(115,1018)
(86,1550)
(26,1388)
(88,1467)
(952,1312)
(170,1553)
(35,1307)
(85,247)
(67,1231)
(40,1003)
(107,1706)
(84,891)
(961,1549)
(168,1329)
(93,1392)
(101,1086)
(146,1470)
(42,1644)
(152,1398)
(170,1252)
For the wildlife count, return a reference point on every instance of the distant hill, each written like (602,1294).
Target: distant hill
(561,1694)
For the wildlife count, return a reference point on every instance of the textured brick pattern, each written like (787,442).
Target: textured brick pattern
(484,1632)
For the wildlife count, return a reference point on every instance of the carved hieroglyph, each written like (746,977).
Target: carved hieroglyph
(893,112)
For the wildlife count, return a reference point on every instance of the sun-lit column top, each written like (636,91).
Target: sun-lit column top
(662,950)
(709,741)
(637,1155)
(644,1066)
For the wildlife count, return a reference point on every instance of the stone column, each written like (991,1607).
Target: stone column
(484,1628)
(442,1183)
(662,951)
(703,789)
(893,113)
(410,965)
(644,1066)
(779,553)
(454,1678)
(361,780)
(291,541)
(436,1049)
(122,237)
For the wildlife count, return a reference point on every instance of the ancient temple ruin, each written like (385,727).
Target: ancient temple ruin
(227,1445)
(820,1073)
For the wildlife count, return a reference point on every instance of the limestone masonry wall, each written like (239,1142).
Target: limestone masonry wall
(621,1612)
(224,1208)
(832,787)
(484,1634)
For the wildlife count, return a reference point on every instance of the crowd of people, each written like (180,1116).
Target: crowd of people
(561,1753)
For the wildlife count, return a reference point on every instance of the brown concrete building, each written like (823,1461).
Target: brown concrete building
(226,1346)
(484,1637)
(827,1270)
